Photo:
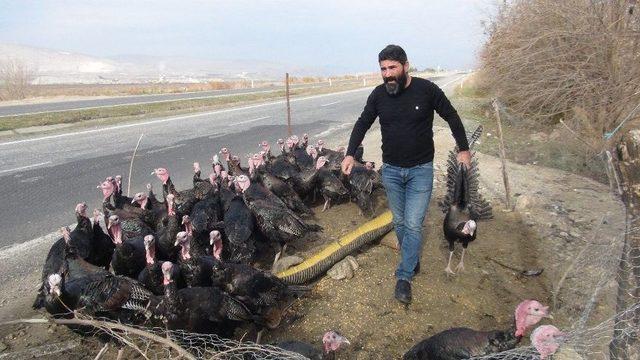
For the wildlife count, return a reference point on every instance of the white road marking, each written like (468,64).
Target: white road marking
(32,179)
(162,149)
(332,103)
(25,167)
(252,120)
(117,127)
(454,80)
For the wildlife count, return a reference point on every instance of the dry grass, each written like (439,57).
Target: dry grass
(552,146)
(128,112)
(576,60)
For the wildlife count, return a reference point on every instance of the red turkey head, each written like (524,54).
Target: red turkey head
(547,339)
(115,229)
(215,240)
(55,284)
(332,340)
(184,241)
(141,199)
(322,160)
(243,182)
(225,153)
(167,269)
(107,189)
(81,209)
(150,249)
(529,313)
(162,174)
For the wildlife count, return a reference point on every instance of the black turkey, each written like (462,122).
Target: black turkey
(463,204)
(464,343)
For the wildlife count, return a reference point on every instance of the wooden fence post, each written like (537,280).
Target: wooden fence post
(288,105)
(505,174)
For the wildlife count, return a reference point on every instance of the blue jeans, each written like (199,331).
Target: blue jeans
(408,194)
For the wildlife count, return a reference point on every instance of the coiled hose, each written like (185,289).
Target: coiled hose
(319,263)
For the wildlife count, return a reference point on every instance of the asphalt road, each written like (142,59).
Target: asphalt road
(41,179)
(11,110)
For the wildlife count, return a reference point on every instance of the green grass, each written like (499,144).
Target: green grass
(523,145)
(129,112)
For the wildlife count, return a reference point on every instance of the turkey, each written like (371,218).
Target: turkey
(166,230)
(233,163)
(262,292)
(196,269)
(240,229)
(184,200)
(331,342)
(201,187)
(151,275)
(199,244)
(103,247)
(464,343)
(330,187)
(334,157)
(79,240)
(257,172)
(463,204)
(547,340)
(115,198)
(277,222)
(135,221)
(202,310)
(207,213)
(80,285)
(129,256)
(361,182)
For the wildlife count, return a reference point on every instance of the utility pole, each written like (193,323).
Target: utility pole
(286,82)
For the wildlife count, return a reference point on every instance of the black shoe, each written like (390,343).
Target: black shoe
(403,291)
(416,270)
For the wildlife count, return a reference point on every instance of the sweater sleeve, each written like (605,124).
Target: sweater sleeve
(444,108)
(363,124)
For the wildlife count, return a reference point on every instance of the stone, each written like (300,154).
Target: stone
(344,269)
(524,202)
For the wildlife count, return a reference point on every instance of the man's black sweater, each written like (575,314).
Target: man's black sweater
(406,122)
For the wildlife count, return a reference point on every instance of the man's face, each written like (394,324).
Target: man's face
(394,75)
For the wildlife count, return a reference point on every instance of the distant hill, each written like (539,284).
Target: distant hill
(55,66)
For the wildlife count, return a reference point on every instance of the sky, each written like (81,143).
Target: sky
(338,34)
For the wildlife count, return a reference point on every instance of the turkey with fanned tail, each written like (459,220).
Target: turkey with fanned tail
(463,203)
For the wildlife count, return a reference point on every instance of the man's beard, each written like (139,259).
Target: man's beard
(395,88)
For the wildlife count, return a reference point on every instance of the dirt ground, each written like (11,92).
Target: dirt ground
(555,212)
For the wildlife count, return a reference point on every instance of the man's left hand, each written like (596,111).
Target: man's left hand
(465,158)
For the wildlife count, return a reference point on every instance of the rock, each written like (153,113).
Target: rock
(524,202)
(390,240)
(344,269)
(285,263)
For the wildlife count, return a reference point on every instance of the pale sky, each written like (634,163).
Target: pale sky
(330,33)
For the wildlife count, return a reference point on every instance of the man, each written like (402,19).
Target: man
(404,106)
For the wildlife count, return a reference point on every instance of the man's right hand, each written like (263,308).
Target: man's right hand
(347,164)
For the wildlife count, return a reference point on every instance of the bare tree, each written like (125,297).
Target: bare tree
(15,79)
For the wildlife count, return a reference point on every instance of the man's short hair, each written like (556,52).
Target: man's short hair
(393,52)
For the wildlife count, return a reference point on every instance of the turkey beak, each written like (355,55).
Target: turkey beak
(562,336)
(549,316)
(133,201)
